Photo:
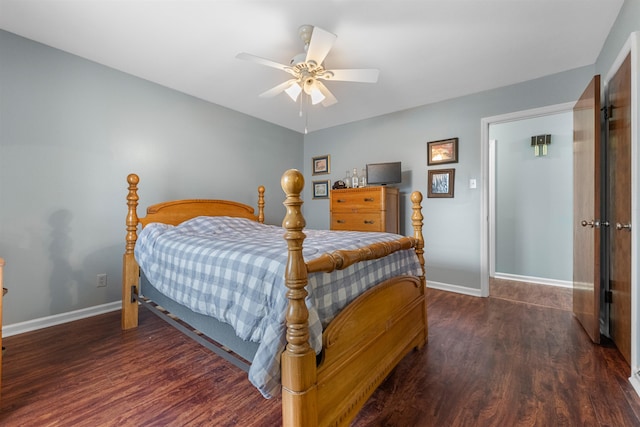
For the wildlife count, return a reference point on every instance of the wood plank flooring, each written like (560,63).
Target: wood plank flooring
(489,362)
(532,293)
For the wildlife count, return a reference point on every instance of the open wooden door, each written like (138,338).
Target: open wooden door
(619,206)
(586,208)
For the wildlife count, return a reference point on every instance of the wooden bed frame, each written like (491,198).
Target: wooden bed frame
(360,346)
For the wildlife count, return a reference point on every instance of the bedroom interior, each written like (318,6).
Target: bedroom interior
(92,122)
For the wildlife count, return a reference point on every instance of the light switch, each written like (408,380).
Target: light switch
(472,183)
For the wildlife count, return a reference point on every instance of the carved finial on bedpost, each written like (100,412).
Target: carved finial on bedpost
(261,204)
(130,269)
(299,406)
(132,214)
(417,221)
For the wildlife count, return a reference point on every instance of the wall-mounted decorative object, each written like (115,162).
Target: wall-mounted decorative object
(539,141)
(321,189)
(321,165)
(443,151)
(440,182)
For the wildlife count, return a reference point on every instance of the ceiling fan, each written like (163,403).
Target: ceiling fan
(308,71)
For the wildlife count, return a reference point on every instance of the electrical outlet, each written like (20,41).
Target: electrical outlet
(101,280)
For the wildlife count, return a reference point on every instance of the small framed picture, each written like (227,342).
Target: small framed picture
(440,182)
(321,189)
(321,165)
(444,151)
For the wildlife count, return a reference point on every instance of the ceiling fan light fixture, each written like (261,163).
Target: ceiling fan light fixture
(311,89)
(294,91)
(316,96)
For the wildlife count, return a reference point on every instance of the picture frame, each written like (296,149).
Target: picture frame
(321,165)
(440,183)
(442,151)
(321,189)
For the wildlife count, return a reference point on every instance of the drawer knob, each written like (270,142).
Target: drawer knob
(340,221)
(368,199)
(369,222)
(340,201)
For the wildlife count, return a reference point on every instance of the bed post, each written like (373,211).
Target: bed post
(261,204)
(417,220)
(299,394)
(130,269)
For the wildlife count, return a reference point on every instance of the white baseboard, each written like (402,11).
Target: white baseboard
(535,280)
(635,382)
(454,288)
(57,319)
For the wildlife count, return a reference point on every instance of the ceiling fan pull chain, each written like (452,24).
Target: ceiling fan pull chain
(306,116)
(301,106)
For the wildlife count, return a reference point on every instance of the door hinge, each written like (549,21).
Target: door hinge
(608,297)
(607,111)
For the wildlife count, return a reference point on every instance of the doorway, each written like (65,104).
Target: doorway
(501,260)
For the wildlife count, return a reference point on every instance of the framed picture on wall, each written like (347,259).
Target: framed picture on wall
(321,189)
(321,165)
(443,151)
(440,182)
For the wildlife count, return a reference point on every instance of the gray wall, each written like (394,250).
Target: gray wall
(534,198)
(452,226)
(70,132)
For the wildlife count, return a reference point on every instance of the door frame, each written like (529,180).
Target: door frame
(632,46)
(487,173)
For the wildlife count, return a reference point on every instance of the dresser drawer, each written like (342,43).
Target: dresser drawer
(356,201)
(357,221)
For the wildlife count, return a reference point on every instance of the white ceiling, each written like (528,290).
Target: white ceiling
(426,50)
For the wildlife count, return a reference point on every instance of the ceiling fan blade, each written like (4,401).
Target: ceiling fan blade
(329,99)
(369,75)
(277,89)
(320,45)
(263,61)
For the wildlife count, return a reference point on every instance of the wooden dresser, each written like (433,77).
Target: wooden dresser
(365,209)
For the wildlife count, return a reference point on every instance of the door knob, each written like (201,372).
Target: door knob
(593,223)
(623,226)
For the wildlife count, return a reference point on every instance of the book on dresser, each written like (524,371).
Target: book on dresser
(365,209)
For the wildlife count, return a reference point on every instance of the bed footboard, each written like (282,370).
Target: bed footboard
(363,343)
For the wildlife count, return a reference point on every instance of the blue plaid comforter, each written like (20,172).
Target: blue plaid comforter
(233,269)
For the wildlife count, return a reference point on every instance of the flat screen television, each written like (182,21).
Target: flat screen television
(384,173)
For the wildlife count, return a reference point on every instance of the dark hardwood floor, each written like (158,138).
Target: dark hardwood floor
(489,362)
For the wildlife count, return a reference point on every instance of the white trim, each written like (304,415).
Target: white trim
(474,292)
(492,207)
(57,319)
(635,213)
(535,280)
(635,382)
(487,221)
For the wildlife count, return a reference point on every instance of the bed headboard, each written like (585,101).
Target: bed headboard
(177,211)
